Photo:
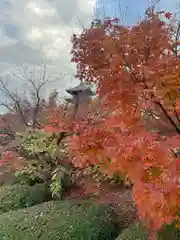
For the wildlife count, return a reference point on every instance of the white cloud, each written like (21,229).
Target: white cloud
(39,30)
(87,6)
(44,11)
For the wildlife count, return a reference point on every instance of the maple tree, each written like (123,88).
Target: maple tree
(136,69)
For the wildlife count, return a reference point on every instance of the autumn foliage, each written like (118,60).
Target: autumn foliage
(136,69)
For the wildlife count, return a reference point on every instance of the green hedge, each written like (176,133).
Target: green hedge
(137,232)
(59,220)
(17,196)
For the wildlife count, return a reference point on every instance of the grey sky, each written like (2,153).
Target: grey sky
(33,31)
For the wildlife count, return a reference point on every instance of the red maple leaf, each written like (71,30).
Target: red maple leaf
(168,15)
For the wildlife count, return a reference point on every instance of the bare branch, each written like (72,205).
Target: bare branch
(27,104)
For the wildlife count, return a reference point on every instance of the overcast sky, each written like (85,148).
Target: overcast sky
(32,31)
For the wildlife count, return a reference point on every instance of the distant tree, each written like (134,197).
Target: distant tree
(27,106)
(53,98)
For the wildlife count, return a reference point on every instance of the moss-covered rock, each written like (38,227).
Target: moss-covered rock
(18,196)
(138,232)
(59,220)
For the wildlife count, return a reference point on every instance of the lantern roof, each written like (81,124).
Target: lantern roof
(80,88)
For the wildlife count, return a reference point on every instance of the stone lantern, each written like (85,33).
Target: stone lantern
(81,96)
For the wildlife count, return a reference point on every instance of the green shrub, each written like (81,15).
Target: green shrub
(42,163)
(59,220)
(39,152)
(138,232)
(17,196)
(37,144)
(134,232)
